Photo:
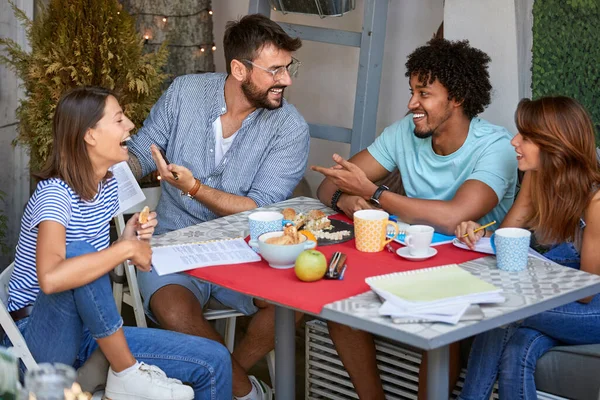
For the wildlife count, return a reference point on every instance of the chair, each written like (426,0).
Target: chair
(131,295)
(91,376)
(225,318)
(19,349)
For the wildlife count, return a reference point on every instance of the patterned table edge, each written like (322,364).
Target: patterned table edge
(540,282)
(231,226)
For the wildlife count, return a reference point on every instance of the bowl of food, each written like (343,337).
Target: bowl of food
(280,249)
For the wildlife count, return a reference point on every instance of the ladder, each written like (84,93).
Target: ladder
(371,42)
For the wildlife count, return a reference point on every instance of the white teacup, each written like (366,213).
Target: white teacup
(418,239)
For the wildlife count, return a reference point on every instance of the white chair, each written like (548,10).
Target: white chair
(224,317)
(19,349)
(91,375)
(131,295)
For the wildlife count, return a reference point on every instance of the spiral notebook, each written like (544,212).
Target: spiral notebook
(178,258)
(436,294)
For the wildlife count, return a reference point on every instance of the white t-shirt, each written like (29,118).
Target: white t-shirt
(221,144)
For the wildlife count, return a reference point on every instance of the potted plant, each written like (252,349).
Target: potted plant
(76,43)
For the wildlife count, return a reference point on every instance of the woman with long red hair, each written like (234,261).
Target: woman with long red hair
(560,201)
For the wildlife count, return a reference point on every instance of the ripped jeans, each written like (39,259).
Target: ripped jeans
(510,354)
(63,327)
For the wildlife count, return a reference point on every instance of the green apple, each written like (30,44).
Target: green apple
(311,265)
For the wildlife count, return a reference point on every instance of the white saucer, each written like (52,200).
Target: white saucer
(405,253)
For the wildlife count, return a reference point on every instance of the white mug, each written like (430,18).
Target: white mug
(418,239)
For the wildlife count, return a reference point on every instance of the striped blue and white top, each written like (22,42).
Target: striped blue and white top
(265,162)
(54,200)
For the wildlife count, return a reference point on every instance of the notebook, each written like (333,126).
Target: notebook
(441,294)
(428,286)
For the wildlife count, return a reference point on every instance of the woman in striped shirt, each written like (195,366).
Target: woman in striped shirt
(64,251)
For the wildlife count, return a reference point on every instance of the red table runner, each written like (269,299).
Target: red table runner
(282,286)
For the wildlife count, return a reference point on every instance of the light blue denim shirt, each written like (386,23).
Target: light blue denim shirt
(265,162)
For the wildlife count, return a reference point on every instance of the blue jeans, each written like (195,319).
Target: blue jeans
(510,354)
(63,327)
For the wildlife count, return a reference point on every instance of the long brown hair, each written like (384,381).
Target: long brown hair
(77,111)
(564,183)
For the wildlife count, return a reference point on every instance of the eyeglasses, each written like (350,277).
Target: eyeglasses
(279,73)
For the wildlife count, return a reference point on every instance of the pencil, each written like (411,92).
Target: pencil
(481,227)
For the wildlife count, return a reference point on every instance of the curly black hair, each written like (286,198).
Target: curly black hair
(462,69)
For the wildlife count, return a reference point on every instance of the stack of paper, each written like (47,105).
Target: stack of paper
(441,294)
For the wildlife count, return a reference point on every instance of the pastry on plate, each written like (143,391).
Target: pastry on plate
(316,220)
(298,219)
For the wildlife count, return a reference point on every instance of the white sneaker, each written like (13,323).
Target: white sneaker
(148,382)
(265,391)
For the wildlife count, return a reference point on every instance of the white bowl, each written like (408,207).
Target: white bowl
(282,256)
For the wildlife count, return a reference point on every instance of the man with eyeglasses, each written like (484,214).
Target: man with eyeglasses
(235,144)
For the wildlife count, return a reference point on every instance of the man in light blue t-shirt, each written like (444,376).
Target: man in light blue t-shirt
(454,167)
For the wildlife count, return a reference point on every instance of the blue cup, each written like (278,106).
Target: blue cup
(264,221)
(511,246)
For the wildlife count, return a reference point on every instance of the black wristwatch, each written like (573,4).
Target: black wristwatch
(334,199)
(375,198)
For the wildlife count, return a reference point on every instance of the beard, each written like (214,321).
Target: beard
(258,98)
(423,134)
(428,131)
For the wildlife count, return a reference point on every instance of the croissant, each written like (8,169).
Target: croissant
(144,214)
(292,232)
(280,240)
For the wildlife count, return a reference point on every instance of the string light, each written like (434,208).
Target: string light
(214,48)
(164,19)
(202,49)
(210,12)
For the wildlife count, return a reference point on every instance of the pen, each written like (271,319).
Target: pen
(480,228)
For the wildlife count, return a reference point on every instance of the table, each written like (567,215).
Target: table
(541,287)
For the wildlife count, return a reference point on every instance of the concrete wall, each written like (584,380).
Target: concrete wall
(325,87)
(14,179)
(501,28)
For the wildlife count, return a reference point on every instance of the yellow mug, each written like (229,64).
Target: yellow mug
(370,228)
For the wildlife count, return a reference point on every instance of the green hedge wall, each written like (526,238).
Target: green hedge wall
(566,52)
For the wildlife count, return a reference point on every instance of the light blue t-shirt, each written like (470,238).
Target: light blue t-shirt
(486,156)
